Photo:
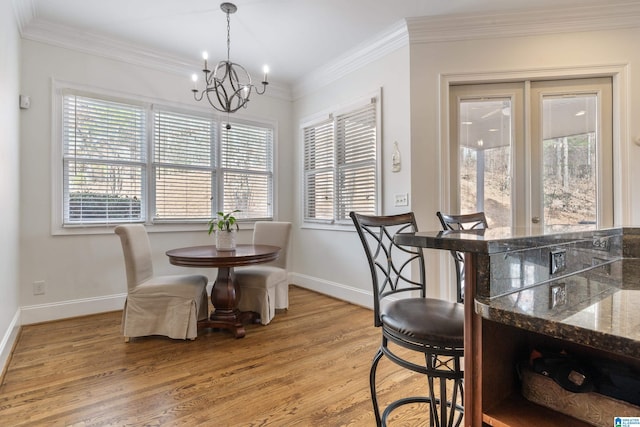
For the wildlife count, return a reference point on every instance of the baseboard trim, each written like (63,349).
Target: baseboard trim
(39,313)
(337,290)
(80,307)
(8,342)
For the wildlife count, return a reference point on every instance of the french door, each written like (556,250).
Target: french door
(533,154)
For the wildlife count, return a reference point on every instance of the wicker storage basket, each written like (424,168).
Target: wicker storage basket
(593,408)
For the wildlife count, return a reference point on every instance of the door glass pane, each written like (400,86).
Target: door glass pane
(569,126)
(485,138)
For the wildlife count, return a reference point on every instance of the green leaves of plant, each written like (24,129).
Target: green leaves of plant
(224,222)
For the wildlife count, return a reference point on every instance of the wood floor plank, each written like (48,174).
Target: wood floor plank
(308,367)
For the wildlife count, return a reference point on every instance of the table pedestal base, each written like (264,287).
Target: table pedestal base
(234,322)
(225,295)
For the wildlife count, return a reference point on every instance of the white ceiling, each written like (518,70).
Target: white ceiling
(294,37)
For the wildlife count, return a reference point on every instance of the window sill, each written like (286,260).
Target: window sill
(200,227)
(344,226)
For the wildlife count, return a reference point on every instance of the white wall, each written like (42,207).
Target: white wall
(570,54)
(333,261)
(9,178)
(85,273)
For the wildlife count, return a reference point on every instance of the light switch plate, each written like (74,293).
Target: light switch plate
(25,102)
(401,199)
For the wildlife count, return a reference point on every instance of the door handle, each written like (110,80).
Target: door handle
(535,219)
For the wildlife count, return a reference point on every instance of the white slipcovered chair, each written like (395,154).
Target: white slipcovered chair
(168,305)
(265,287)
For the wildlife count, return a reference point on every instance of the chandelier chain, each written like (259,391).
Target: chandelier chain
(228,36)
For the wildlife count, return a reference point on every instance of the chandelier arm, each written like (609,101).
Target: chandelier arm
(195,95)
(208,78)
(264,88)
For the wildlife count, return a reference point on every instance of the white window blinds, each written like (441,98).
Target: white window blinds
(340,165)
(183,166)
(104,155)
(356,162)
(142,162)
(246,166)
(319,161)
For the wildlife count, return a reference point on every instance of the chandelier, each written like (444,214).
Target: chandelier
(229,86)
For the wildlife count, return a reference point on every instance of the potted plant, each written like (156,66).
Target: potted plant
(225,226)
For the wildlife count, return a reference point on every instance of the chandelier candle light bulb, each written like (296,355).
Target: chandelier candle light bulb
(229,86)
(205,56)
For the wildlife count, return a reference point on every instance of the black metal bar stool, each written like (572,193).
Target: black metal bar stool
(432,327)
(471,221)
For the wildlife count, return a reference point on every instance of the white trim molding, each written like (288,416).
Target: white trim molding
(8,342)
(336,290)
(24,11)
(117,49)
(365,53)
(613,14)
(73,308)
(606,16)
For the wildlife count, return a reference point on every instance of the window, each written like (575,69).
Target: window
(246,169)
(340,165)
(561,179)
(104,161)
(141,162)
(183,167)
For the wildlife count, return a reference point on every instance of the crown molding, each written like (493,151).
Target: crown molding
(616,14)
(116,49)
(24,12)
(610,16)
(430,29)
(390,40)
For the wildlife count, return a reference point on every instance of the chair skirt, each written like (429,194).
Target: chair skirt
(263,289)
(153,309)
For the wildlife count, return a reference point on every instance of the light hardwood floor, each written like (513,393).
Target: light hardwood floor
(308,367)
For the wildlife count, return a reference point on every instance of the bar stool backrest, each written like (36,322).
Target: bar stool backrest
(393,267)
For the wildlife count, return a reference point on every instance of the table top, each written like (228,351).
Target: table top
(209,256)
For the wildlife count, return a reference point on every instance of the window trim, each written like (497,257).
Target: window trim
(59,88)
(333,113)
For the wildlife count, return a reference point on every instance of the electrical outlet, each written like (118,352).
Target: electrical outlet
(401,199)
(558,261)
(601,243)
(39,287)
(557,295)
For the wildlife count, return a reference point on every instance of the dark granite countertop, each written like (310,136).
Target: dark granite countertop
(601,308)
(496,240)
